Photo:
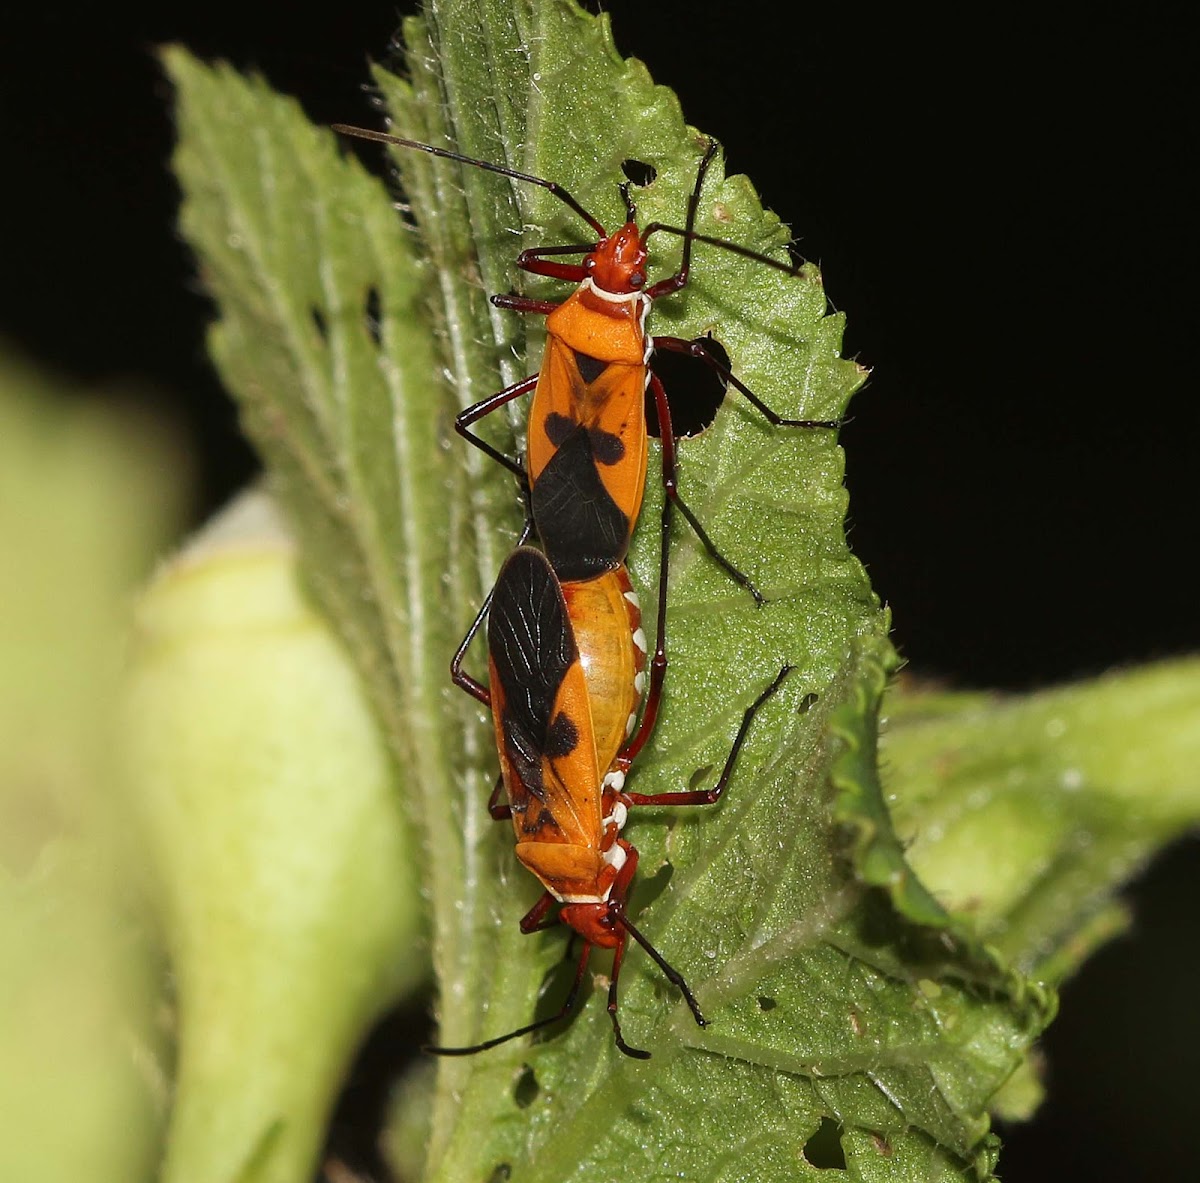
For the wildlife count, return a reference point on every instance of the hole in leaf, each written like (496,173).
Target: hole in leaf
(809,701)
(694,389)
(501,1174)
(408,219)
(372,311)
(824,1149)
(526,1090)
(765,1003)
(319,322)
(639,172)
(697,779)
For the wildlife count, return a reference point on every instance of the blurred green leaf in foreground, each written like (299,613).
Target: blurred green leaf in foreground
(85,503)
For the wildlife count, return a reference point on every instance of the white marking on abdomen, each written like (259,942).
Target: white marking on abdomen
(639,639)
(639,682)
(615,856)
(633,599)
(619,815)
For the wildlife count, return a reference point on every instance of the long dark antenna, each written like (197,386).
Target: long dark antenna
(724,244)
(365,133)
(561,1013)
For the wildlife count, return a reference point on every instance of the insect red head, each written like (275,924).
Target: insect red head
(618,263)
(593,922)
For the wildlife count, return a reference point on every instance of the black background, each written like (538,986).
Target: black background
(999,208)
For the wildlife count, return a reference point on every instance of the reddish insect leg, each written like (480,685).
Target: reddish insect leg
(670,479)
(485,407)
(535,919)
(515,303)
(713,795)
(533,261)
(476,689)
(658,663)
(698,350)
(498,812)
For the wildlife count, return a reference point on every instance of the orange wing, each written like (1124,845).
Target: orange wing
(587,445)
(606,623)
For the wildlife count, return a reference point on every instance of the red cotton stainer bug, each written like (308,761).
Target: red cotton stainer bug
(566,625)
(587,442)
(564,778)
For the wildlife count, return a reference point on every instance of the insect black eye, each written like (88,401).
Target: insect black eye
(637,279)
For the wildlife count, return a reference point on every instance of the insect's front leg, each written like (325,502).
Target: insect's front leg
(473,414)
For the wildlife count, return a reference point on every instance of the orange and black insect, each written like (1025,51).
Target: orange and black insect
(563,768)
(587,444)
(565,637)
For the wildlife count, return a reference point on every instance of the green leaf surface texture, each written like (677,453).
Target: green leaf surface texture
(1024,813)
(841,995)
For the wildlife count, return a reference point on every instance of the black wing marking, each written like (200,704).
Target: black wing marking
(532,647)
(590,368)
(580,525)
(607,449)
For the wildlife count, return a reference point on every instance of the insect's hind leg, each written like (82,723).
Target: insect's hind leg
(713,795)
(658,663)
(498,812)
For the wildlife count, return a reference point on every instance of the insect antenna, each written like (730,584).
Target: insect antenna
(669,971)
(379,137)
(689,233)
(791,268)
(562,1012)
(627,198)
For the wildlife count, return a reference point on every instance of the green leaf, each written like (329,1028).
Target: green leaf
(322,337)
(283,881)
(1024,814)
(91,489)
(845,1003)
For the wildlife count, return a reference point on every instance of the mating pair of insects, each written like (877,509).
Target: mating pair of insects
(567,653)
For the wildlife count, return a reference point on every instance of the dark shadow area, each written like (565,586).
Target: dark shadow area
(527,1089)
(362,1109)
(695,391)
